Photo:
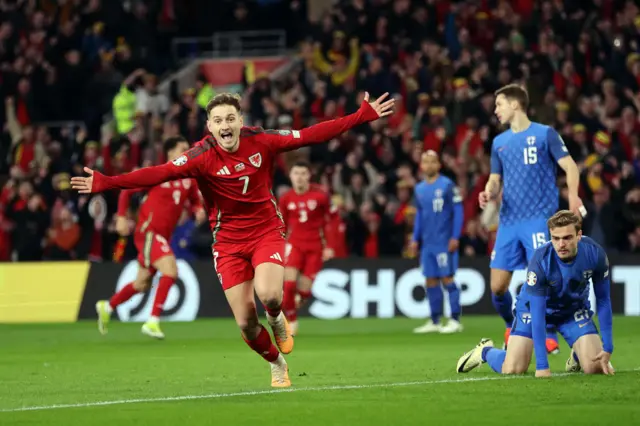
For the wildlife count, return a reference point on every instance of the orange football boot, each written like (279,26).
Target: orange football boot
(280,373)
(282,333)
(552,346)
(507,333)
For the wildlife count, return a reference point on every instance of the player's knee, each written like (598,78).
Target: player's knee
(514,368)
(250,327)
(591,368)
(168,268)
(290,274)
(433,282)
(272,300)
(142,286)
(499,288)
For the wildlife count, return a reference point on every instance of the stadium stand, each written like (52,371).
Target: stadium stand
(65,65)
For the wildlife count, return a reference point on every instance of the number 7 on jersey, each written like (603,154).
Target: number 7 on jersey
(246,183)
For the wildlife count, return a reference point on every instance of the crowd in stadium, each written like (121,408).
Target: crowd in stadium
(65,64)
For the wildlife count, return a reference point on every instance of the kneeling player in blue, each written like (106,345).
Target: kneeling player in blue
(557,293)
(436,229)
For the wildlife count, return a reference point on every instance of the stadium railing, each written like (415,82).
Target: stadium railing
(230,44)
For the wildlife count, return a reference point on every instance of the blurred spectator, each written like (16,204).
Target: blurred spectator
(441,60)
(63,236)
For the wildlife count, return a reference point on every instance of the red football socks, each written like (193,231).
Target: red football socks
(304,295)
(263,346)
(289,300)
(161,295)
(123,295)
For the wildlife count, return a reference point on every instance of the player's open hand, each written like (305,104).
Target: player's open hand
(604,358)
(543,373)
(484,198)
(327,254)
(412,248)
(454,245)
(382,107)
(576,206)
(82,184)
(122,226)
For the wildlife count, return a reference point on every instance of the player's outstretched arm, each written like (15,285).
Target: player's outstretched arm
(536,289)
(602,290)
(184,166)
(327,130)
(539,330)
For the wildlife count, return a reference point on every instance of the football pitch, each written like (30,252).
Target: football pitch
(346,372)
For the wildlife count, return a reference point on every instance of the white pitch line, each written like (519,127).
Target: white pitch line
(272,391)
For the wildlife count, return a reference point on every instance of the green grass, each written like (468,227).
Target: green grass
(45,365)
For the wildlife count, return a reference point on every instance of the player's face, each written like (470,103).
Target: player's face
(176,152)
(430,165)
(504,109)
(300,177)
(565,241)
(224,123)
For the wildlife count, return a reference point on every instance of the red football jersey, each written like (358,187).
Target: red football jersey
(163,205)
(305,216)
(237,186)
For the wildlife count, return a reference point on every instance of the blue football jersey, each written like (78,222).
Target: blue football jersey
(565,285)
(439,212)
(527,162)
(557,292)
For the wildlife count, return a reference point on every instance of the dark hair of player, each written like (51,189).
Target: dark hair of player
(515,92)
(224,99)
(302,163)
(564,218)
(172,142)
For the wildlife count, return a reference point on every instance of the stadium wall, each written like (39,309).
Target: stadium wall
(356,288)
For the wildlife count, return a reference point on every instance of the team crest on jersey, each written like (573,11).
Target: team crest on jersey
(312,204)
(438,193)
(180,161)
(291,206)
(531,278)
(239,167)
(256,159)
(186,183)
(587,274)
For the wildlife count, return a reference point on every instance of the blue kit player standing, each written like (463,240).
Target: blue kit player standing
(436,230)
(523,164)
(557,293)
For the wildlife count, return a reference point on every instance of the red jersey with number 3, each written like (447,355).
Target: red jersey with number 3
(163,205)
(305,216)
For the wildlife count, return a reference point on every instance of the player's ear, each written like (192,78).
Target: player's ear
(209,125)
